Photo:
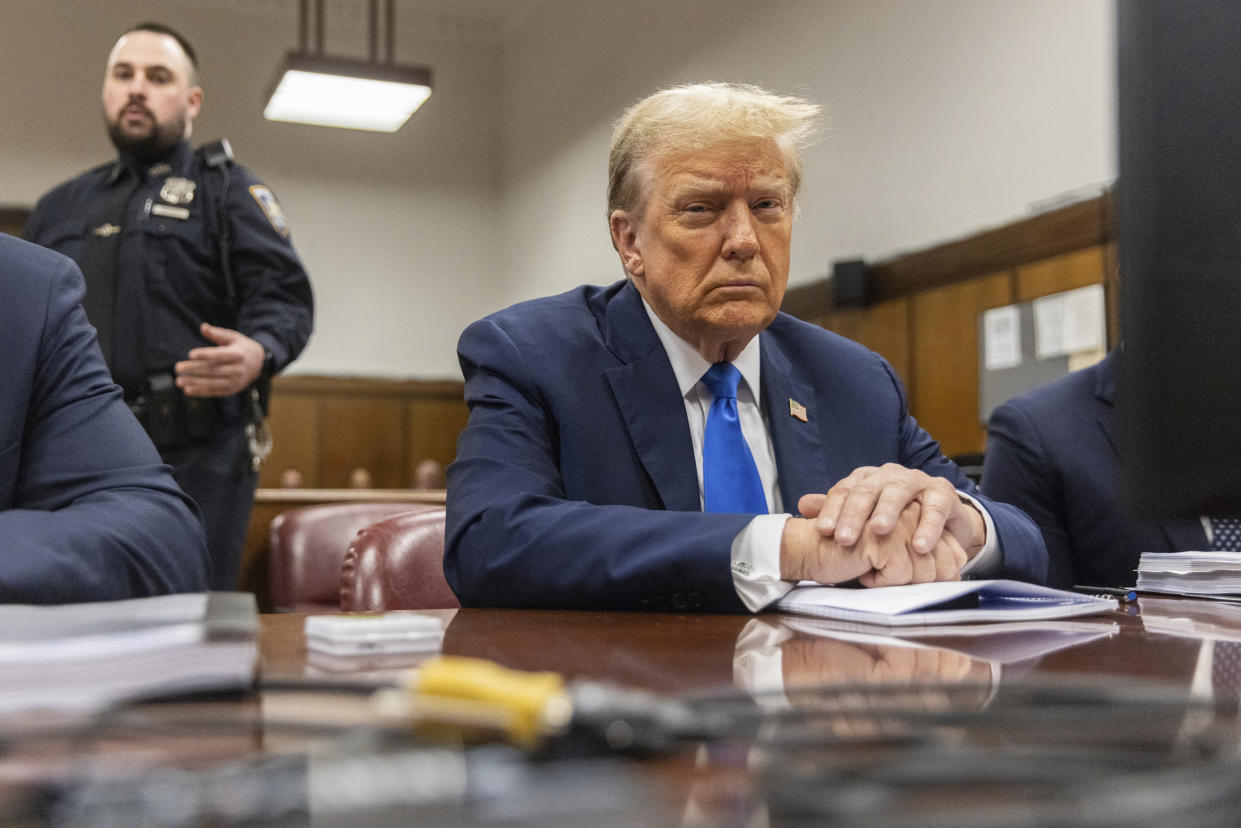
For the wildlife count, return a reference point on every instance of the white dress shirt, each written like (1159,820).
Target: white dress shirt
(756,549)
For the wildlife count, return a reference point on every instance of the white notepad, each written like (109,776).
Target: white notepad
(949,602)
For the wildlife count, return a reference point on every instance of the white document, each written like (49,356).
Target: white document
(1083,319)
(950,602)
(1049,327)
(1002,337)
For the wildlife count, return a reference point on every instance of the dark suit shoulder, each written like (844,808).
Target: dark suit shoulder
(28,268)
(570,319)
(1056,400)
(830,360)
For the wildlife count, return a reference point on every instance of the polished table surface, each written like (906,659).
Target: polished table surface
(818,725)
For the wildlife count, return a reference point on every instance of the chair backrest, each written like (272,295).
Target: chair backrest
(308,546)
(398,563)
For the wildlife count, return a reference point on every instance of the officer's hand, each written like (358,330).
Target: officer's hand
(223,370)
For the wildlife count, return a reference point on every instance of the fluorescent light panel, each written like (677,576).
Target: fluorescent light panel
(335,92)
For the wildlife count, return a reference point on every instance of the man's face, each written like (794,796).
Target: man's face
(148,99)
(709,246)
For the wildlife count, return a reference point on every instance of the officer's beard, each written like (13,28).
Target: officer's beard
(153,142)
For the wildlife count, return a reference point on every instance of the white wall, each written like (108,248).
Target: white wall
(946,116)
(397,231)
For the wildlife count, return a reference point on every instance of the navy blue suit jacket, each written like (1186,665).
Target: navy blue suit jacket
(575,483)
(87,510)
(1052,452)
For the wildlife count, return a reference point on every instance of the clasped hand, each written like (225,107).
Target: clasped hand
(883,526)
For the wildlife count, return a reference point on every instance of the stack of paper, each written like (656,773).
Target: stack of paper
(949,602)
(1190,573)
(83,657)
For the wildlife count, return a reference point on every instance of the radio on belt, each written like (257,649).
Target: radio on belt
(348,634)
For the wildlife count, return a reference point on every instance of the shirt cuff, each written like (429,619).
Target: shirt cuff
(756,562)
(987,561)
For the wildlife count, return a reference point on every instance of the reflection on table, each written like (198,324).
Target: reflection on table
(739,720)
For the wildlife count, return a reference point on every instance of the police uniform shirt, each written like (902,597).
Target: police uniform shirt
(168,278)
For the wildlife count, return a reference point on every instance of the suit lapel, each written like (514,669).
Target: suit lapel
(800,463)
(649,401)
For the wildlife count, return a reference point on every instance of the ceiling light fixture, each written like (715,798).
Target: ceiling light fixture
(312,88)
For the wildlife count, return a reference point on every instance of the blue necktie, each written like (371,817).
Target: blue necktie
(730,481)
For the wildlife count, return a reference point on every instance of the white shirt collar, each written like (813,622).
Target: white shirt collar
(689,365)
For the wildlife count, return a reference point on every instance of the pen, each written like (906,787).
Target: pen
(1125,595)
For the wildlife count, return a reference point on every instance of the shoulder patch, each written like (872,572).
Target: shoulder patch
(271,208)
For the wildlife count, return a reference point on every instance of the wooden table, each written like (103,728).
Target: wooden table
(852,724)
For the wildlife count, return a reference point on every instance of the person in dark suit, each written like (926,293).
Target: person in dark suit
(1052,452)
(591,473)
(87,510)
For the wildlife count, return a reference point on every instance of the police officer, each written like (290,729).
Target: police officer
(192,282)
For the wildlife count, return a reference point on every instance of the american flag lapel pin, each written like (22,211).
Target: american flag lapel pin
(797,410)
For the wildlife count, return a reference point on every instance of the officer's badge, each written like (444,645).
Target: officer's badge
(271,208)
(177,190)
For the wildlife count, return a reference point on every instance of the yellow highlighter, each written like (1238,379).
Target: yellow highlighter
(474,697)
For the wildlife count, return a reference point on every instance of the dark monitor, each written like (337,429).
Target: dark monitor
(1179,225)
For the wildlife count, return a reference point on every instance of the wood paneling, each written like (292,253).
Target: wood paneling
(947,286)
(325,427)
(813,302)
(1060,273)
(884,328)
(1111,292)
(294,424)
(363,434)
(13,220)
(434,426)
(944,394)
(1085,224)
(1077,226)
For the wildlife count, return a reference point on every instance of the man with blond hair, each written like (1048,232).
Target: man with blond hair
(634,446)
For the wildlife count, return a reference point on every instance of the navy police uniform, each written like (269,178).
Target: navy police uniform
(166,245)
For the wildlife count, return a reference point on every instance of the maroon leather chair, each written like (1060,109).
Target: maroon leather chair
(308,546)
(398,563)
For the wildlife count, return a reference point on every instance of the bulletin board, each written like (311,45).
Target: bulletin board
(1032,343)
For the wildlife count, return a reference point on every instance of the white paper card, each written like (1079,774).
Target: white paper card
(1002,337)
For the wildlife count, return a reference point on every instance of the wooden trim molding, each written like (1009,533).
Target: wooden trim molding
(351,387)
(1076,226)
(13,219)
